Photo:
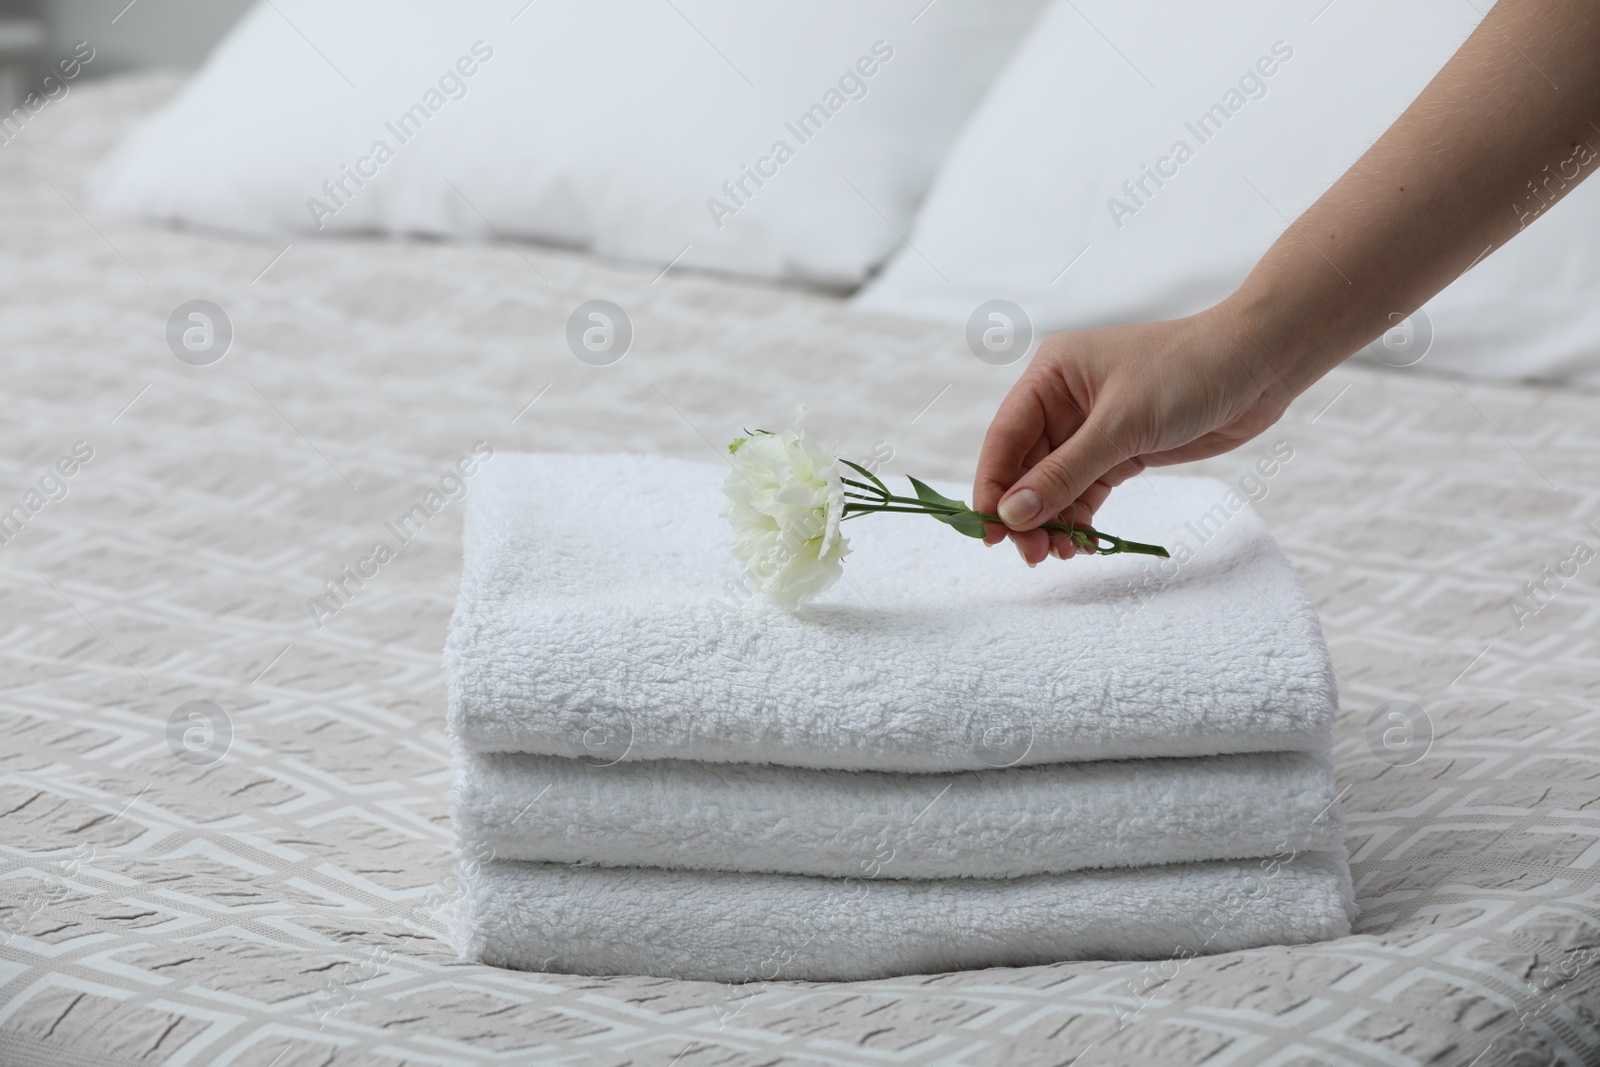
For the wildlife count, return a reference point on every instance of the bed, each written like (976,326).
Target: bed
(282,898)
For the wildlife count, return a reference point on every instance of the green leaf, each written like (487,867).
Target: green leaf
(963,521)
(926,494)
(873,478)
(967,522)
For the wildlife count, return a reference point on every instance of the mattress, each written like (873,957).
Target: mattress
(223,808)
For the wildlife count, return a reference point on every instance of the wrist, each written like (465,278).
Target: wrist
(1267,355)
(1292,334)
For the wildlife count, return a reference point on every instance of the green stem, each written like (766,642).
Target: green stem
(921,504)
(1083,536)
(867,509)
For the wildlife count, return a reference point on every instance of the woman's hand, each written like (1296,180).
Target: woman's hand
(1437,193)
(1096,407)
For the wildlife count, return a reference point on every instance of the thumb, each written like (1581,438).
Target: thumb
(1060,478)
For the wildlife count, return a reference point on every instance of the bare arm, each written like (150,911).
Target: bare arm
(1509,125)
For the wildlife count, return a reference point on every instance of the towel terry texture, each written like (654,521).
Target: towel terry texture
(989,824)
(733,927)
(933,654)
(948,761)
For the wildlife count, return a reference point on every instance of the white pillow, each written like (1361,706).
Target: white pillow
(607,126)
(1101,91)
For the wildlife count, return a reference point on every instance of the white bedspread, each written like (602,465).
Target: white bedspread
(286,904)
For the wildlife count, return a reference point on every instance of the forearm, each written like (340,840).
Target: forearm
(1509,125)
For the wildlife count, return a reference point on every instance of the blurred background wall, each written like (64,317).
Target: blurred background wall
(125,36)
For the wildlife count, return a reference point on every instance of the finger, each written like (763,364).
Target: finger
(1040,449)
(1015,434)
(1057,481)
(1020,425)
(1017,426)
(1081,512)
(1076,514)
(1061,545)
(1088,503)
(1032,545)
(1212,444)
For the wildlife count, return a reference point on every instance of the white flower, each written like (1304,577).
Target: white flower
(785,501)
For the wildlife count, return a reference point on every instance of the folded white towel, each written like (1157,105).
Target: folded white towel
(729,927)
(600,616)
(987,824)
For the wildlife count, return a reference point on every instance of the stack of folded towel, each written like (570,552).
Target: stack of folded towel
(946,762)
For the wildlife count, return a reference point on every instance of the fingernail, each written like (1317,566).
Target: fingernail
(1024,556)
(1020,507)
